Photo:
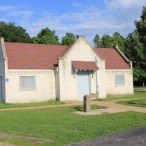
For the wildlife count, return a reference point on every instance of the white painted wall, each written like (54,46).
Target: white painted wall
(45,86)
(112,89)
(80,51)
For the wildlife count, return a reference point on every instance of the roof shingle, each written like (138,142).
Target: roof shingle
(85,65)
(113,60)
(33,56)
(41,56)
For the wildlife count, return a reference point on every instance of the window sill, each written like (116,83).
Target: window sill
(119,85)
(27,89)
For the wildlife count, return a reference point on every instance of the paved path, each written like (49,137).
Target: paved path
(135,137)
(6,144)
(43,107)
(126,99)
(115,106)
(112,107)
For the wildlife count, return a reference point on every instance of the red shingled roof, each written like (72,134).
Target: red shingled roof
(113,60)
(85,65)
(33,56)
(41,56)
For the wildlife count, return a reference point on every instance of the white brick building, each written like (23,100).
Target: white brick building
(38,72)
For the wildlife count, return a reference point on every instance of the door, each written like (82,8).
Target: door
(0,88)
(83,84)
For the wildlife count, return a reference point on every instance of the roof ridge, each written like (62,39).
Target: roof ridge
(104,48)
(36,44)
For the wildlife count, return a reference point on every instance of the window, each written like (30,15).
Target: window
(119,80)
(27,83)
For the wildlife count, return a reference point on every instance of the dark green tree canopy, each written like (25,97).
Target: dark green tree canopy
(141,29)
(97,41)
(119,40)
(68,39)
(12,33)
(46,36)
(134,51)
(107,41)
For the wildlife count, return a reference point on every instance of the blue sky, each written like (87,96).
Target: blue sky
(81,17)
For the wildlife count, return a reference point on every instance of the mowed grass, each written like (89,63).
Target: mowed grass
(135,95)
(19,105)
(63,126)
(135,102)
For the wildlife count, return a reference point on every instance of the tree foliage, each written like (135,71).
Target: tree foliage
(134,51)
(12,33)
(107,41)
(135,48)
(119,40)
(141,28)
(68,39)
(97,41)
(46,36)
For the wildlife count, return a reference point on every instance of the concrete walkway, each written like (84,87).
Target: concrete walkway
(112,107)
(42,107)
(126,99)
(121,107)
(6,144)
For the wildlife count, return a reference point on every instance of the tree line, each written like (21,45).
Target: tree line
(133,46)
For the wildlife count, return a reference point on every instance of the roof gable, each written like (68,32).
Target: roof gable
(113,59)
(81,38)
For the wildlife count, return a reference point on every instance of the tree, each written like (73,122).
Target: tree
(141,28)
(46,36)
(134,51)
(107,41)
(97,41)
(119,40)
(12,33)
(68,39)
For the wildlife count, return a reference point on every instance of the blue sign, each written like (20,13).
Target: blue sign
(6,79)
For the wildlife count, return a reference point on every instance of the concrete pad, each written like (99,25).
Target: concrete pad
(112,107)
(99,112)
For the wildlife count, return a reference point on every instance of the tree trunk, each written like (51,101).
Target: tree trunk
(143,84)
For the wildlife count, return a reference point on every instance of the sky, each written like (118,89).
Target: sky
(81,17)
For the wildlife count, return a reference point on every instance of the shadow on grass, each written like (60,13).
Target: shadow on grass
(78,108)
(93,107)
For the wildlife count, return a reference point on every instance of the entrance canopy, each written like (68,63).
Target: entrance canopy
(84,65)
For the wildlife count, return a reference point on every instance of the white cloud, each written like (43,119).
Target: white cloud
(6,8)
(86,22)
(16,12)
(86,19)
(125,4)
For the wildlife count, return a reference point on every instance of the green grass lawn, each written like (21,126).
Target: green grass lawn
(135,102)
(63,126)
(18,105)
(136,95)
